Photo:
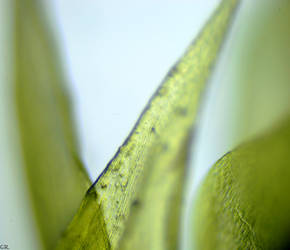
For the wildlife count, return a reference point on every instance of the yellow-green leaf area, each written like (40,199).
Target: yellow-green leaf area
(56,178)
(244,202)
(152,162)
(140,191)
(88,219)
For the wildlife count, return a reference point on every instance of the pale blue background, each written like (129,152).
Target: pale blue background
(117,53)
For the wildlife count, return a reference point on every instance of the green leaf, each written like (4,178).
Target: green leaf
(244,202)
(262,68)
(137,199)
(56,177)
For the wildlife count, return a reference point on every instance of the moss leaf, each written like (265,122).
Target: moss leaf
(139,193)
(244,202)
(56,177)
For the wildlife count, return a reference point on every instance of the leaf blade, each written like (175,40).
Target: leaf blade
(158,144)
(56,178)
(243,203)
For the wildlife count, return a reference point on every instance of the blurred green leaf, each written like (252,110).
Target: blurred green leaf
(135,203)
(56,177)
(244,202)
(263,73)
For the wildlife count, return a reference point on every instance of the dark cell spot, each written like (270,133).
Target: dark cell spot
(165,147)
(136,203)
(116,168)
(181,111)
(103,185)
(153,130)
(172,71)
(162,91)
(128,153)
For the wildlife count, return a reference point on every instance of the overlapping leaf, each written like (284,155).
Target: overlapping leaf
(55,174)
(244,202)
(135,203)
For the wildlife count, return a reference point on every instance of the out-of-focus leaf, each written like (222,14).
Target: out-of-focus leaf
(244,202)
(139,193)
(55,174)
(263,69)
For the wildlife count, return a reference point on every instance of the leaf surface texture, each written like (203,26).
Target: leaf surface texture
(244,202)
(139,194)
